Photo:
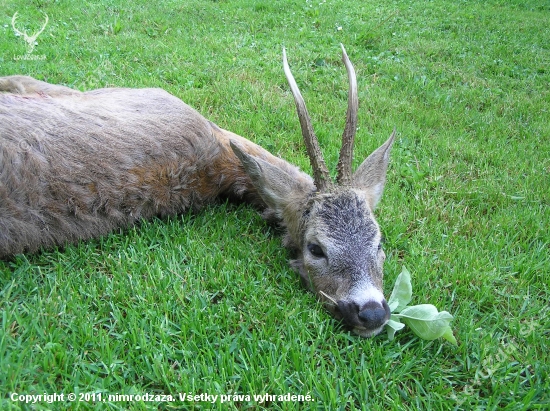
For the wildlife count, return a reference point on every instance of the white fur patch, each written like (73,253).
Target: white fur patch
(365,294)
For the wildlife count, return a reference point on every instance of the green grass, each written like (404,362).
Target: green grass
(206,303)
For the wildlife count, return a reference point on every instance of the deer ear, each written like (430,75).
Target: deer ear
(370,176)
(275,186)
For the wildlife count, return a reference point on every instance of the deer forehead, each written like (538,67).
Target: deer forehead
(342,219)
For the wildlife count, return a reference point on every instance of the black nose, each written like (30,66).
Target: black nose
(371,316)
(374,314)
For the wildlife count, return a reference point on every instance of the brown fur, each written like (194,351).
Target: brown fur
(79,165)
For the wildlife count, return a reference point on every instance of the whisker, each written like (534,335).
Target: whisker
(328,297)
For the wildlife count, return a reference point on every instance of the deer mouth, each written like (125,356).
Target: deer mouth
(366,333)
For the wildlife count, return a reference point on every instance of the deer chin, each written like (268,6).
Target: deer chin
(365,333)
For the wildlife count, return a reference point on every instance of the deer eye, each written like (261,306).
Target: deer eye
(382,239)
(315,250)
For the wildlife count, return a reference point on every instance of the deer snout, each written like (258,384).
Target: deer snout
(367,319)
(374,314)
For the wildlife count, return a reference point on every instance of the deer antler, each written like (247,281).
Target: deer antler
(346,152)
(321,175)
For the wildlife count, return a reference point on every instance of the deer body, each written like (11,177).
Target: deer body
(77,165)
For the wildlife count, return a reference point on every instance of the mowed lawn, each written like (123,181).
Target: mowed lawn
(206,304)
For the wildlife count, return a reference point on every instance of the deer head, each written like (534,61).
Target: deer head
(30,40)
(331,226)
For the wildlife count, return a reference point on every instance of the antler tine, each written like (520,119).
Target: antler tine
(13,24)
(321,175)
(44,26)
(346,152)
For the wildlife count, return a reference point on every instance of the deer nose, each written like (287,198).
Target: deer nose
(371,316)
(374,315)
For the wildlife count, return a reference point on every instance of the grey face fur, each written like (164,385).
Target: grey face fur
(341,257)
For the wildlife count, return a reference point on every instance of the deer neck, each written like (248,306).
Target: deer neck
(232,178)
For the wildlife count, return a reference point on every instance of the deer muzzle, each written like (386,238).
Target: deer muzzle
(366,320)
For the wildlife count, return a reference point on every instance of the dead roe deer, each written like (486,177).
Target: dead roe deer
(77,165)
